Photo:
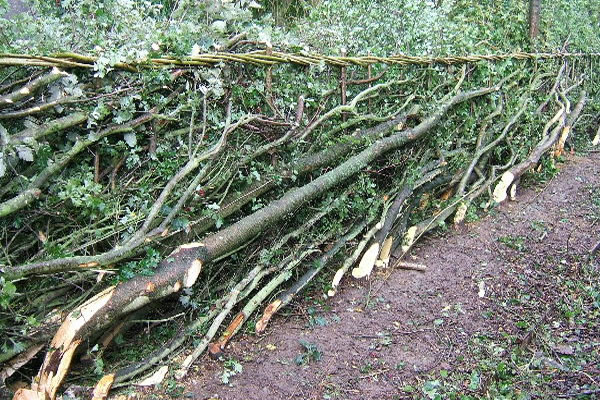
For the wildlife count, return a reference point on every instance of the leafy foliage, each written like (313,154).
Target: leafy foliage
(310,354)
(231,368)
(123,30)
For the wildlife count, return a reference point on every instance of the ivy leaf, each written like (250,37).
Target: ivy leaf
(213,206)
(237,367)
(99,366)
(184,300)
(77,92)
(195,50)
(225,378)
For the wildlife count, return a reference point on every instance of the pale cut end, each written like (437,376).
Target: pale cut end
(560,145)
(177,287)
(150,287)
(25,91)
(191,245)
(186,246)
(481,292)
(57,71)
(461,212)
(77,318)
(90,264)
(386,249)
(180,373)
(337,277)
(103,387)
(155,378)
(26,394)
(596,140)
(51,378)
(409,238)
(367,262)
(192,273)
(100,276)
(336,282)
(271,309)
(500,191)
(215,350)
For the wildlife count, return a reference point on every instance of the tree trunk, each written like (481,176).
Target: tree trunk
(534,18)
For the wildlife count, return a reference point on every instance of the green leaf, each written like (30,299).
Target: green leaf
(99,366)
(9,289)
(408,389)
(25,153)
(522,324)
(130,139)
(18,347)
(219,26)
(475,380)
(430,389)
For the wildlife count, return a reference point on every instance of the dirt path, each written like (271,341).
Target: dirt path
(385,339)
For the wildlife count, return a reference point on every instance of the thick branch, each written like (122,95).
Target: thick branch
(35,133)
(512,175)
(28,90)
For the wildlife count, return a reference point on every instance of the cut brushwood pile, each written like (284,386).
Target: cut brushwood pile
(128,202)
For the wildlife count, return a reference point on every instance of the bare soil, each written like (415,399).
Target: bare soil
(375,337)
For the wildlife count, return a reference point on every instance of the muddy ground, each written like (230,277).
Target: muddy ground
(386,338)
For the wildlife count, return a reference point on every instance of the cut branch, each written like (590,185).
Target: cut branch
(512,175)
(29,90)
(35,133)
(286,297)
(182,268)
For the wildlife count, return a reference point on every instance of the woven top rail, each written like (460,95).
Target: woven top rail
(270,58)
